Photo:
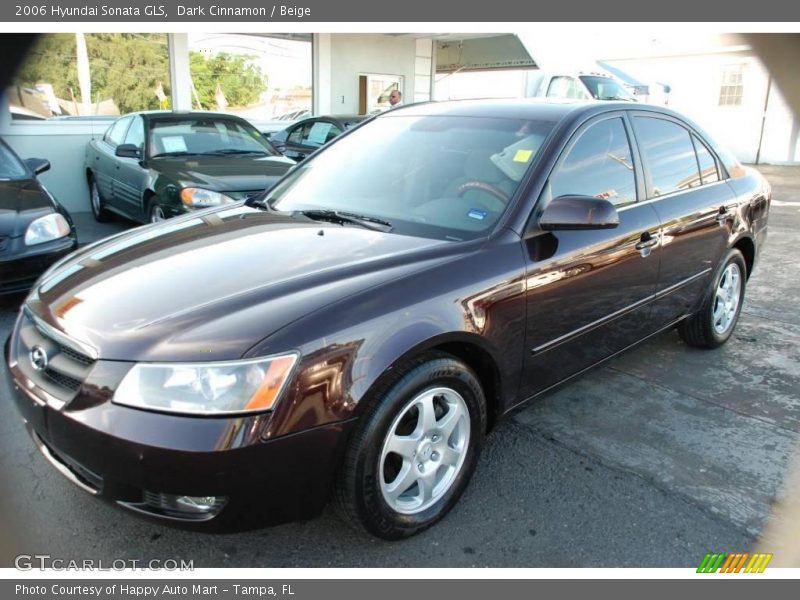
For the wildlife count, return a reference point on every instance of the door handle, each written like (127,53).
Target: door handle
(646,243)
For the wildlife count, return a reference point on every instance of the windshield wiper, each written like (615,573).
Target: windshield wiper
(233,151)
(337,216)
(178,153)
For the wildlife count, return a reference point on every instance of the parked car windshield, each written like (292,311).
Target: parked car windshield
(205,135)
(10,166)
(444,177)
(605,88)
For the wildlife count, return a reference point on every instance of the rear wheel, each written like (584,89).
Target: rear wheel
(101,215)
(415,449)
(714,323)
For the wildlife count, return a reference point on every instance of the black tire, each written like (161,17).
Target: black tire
(699,330)
(153,207)
(358,488)
(100,213)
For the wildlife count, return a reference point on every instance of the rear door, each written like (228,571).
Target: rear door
(694,205)
(130,175)
(589,292)
(105,163)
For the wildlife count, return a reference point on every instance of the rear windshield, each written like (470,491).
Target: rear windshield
(442,177)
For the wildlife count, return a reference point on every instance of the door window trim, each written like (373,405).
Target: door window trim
(538,206)
(721,173)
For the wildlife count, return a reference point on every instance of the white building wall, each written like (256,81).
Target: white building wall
(359,54)
(64,145)
(695,81)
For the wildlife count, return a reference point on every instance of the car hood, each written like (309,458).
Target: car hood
(224,173)
(21,202)
(210,285)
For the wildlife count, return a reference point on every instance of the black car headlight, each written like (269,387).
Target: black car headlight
(210,389)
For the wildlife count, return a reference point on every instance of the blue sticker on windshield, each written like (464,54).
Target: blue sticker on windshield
(474,213)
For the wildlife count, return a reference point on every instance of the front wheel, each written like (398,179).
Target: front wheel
(714,323)
(415,449)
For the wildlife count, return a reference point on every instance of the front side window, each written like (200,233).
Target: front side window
(605,88)
(599,164)
(442,177)
(205,135)
(135,134)
(669,153)
(10,166)
(116,133)
(565,87)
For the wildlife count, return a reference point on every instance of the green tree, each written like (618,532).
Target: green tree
(241,81)
(125,67)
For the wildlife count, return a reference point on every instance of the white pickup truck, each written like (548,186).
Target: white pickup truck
(584,86)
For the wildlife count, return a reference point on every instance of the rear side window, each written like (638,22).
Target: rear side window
(708,166)
(669,153)
(599,164)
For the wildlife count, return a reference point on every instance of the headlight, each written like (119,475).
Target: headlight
(221,388)
(200,198)
(46,229)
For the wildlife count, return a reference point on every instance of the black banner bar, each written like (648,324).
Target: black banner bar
(329,11)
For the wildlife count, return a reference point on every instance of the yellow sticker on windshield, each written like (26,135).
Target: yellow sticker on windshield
(523,155)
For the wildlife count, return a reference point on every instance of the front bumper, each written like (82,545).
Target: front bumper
(21,266)
(126,455)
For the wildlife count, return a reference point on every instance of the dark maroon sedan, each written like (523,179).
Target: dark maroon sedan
(358,331)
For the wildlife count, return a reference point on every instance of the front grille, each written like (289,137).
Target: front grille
(63,380)
(66,366)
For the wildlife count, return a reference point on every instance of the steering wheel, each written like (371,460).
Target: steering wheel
(482,186)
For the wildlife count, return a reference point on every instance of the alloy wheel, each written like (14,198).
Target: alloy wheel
(424,450)
(727,298)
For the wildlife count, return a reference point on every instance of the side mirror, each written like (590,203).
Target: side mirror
(578,212)
(38,165)
(128,151)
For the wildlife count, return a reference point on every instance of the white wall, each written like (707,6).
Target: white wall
(352,55)
(64,145)
(695,81)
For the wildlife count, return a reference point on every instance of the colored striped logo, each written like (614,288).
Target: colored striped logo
(739,562)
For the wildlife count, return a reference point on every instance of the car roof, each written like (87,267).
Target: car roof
(178,114)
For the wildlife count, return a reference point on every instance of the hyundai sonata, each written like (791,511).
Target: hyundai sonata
(356,331)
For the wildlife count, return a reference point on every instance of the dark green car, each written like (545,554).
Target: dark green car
(150,166)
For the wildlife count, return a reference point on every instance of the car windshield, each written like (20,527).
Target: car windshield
(206,135)
(605,88)
(443,177)
(10,166)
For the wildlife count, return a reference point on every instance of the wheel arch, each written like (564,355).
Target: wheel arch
(747,247)
(471,349)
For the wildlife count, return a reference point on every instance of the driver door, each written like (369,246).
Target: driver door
(589,292)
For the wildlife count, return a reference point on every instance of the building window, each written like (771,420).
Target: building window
(74,75)
(256,77)
(730,92)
